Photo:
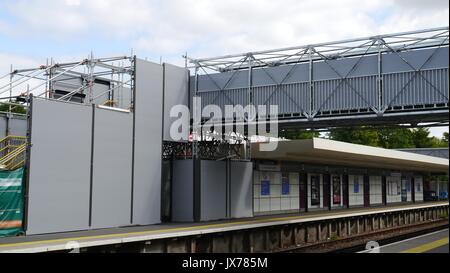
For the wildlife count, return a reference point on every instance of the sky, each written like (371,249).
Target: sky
(33,30)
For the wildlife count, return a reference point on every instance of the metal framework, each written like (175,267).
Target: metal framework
(313,113)
(79,79)
(207,150)
(397,42)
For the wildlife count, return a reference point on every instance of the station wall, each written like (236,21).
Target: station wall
(182,191)
(356,190)
(15,125)
(275,192)
(176,92)
(418,191)
(111,175)
(94,166)
(376,195)
(148,126)
(211,190)
(60,164)
(393,189)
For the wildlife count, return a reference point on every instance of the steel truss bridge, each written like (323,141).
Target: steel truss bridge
(387,80)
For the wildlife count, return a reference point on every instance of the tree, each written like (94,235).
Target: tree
(395,138)
(14,109)
(421,138)
(361,135)
(298,134)
(445,138)
(390,138)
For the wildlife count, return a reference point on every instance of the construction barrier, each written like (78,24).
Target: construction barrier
(11,202)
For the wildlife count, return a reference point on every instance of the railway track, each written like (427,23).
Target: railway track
(355,243)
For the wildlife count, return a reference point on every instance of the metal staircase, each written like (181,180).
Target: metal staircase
(12,152)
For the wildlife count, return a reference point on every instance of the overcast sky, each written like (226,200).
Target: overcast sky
(31,31)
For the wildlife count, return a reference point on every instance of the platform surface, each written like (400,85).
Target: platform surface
(89,238)
(434,242)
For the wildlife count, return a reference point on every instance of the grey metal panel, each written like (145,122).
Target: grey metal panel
(59,176)
(354,93)
(393,63)
(213,190)
(183,190)
(176,92)
(148,143)
(226,80)
(100,90)
(288,86)
(436,152)
(67,83)
(18,126)
(122,96)
(410,88)
(3,125)
(290,98)
(350,67)
(241,201)
(111,186)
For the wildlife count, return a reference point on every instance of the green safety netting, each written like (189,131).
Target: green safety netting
(11,202)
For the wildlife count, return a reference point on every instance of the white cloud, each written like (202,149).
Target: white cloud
(205,28)
(6,60)
(216,27)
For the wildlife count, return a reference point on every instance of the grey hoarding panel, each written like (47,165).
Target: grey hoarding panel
(148,143)
(213,190)
(3,125)
(100,90)
(183,190)
(175,93)
(241,201)
(59,175)
(111,186)
(18,126)
(122,96)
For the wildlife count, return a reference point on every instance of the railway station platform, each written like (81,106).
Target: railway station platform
(303,222)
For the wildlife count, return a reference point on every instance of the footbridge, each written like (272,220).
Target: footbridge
(384,80)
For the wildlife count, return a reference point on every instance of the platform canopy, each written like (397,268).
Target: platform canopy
(330,152)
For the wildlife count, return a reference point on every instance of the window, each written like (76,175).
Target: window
(265,186)
(285,190)
(336,190)
(315,190)
(355,184)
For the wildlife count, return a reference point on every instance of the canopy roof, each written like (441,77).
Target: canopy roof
(324,151)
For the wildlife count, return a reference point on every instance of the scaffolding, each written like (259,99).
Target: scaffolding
(78,79)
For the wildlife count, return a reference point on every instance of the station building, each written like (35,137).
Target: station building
(96,151)
(299,176)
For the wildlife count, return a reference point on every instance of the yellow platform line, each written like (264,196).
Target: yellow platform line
(148,232)
(428,246)
(190,228)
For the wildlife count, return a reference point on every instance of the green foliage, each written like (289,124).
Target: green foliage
(390,138)
(297,134)
(14,109)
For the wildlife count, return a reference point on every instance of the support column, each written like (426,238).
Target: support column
(383,190)
(303,176)
(326,191)
(366,186)
(413,190)
(345,190)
